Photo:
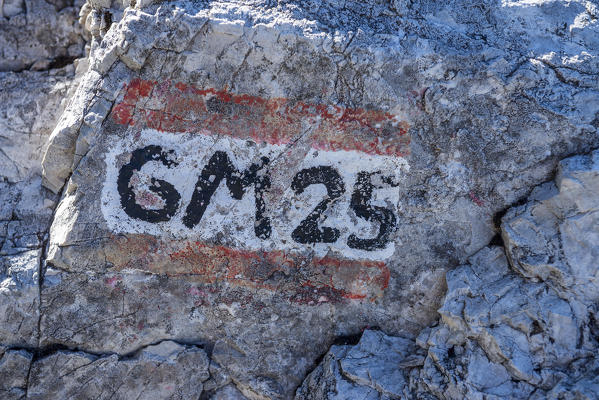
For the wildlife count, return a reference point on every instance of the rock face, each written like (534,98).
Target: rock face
(164,371)
(230,188)
(14,370)
(553,238)
(504,332)
(39,34)
(32,103)
(377,367)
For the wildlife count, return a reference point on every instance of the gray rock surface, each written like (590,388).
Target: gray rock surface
(506,331)
(473,103)
(164,371)
(39,34)
(32,103)
(554,237)
(376,368)
(480,90)
(327,381)
(228,392)
(500,336)
(14,372)
(367,362)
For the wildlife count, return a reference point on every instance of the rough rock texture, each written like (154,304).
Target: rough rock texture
(504,332)
(39,34)
(554,237)
(32,103)
(479,91)
(14,373)
(163,371)
(376,368)
(431,119)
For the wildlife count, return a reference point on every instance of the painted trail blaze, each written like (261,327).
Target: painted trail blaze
(270,194)
(169,107)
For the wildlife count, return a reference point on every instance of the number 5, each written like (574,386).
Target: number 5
(360,203)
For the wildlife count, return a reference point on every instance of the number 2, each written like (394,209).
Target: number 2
(308,231)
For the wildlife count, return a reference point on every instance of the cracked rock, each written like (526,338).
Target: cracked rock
(263,178)
(19,298)
(32,102)
(258,179)
(375,362)
(370,370)
(554,237)
(526,330)
(228,392)
(14,373)
(504,336)
(166,370)
(39,34)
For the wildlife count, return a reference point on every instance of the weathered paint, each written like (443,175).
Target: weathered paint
(231,221)
(280,160)
(176,107)
(299,278)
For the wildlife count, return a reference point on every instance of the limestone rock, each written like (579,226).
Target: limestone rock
(554,237)
(372,369)
(228,392)
(71,313)
(376,360)
(504,336)
(500,336)
(14,371)
(526,330)
(582,384)
(166,370)
(203,134)
(32,102)
(19,298)
(533,323)
(259,179)
(39,34)
(326,381)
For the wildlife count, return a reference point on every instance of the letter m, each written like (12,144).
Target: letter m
(219,167)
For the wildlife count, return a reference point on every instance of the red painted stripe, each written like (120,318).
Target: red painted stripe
(305,280)
(349,279)
(177,107)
